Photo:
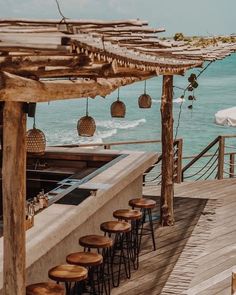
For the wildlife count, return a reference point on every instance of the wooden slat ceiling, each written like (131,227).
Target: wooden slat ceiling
(79,49)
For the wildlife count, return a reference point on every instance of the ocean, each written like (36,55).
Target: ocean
(216,91)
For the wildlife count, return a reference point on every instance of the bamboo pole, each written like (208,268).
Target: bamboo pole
(14,190)
(167,183)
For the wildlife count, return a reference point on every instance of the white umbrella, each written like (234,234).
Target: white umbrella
(226,117)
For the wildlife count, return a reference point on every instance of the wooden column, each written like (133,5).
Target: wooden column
(167,183)
(14,191)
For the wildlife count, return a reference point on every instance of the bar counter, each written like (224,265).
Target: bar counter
(57,228)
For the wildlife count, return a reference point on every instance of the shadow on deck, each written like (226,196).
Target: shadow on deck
(156,266)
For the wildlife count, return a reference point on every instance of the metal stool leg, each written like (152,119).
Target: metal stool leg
(152,229)
(127,256)
(106,272)
(134,251)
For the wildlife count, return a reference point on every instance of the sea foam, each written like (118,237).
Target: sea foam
(118,124)
(175,100)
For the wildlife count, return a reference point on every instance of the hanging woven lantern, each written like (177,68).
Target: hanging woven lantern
(145,100)
(86,125)
(118,108)
(35,141)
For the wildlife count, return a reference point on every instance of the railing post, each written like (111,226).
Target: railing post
(107,147)
(220,174)
(178,161)
(233,286)
(231,167)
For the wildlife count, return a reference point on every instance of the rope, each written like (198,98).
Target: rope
(87,106)
(118,98)
(185,89)
(145,86)
(60,12)
(34,125)
(208,169)
(229,164)
(217,150)
(230,146)
(103,43)
(151,180)
(228,173)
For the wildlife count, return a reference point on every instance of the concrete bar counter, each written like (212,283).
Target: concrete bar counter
(57,228)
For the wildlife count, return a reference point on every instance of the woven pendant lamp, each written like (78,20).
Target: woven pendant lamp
(145,100)
(86,125)
(118,108)
(35,141)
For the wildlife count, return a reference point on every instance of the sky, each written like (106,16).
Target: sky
(191,17)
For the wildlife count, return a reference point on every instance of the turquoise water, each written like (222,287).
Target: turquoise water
(216,91)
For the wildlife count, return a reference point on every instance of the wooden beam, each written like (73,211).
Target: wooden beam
(93,72)
(14,194)
(167,183)
(9,63)
(15,88)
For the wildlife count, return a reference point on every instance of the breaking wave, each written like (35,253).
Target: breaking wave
(118,124)
(176,100)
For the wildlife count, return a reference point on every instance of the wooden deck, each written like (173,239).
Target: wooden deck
(197,255)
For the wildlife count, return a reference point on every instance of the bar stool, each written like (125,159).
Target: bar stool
(146,206)
(121,230)
(134,217)
(103,246)
(93,262)
(69,274)
(45,289)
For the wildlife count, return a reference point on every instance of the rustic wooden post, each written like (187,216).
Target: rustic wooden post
(14,190)
(231,167)
(221,156)
(233,285)
(167,183)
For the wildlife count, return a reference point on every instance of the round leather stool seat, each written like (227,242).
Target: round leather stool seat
(115,227)
(45,289)
(142,203)
(86,259)
(68,273)
(95,241)
(127,214)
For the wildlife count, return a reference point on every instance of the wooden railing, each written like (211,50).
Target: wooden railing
(153,175)
(109,145)
(218,164)
(218,158)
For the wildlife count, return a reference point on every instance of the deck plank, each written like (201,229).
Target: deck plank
(197,254)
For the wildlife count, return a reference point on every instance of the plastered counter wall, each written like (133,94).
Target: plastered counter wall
(38,271)
(57,229)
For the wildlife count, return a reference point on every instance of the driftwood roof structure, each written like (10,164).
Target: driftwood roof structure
(44,60)
(96,56)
